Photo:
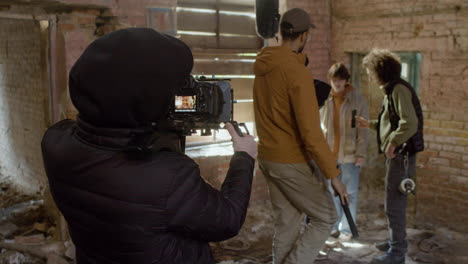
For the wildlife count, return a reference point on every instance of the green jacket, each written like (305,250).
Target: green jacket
(408,124)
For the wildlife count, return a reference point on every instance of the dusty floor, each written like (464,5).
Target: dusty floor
(25,239)
(439,247)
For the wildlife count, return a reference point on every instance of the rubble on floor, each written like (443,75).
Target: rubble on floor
(439,247)
(26,237)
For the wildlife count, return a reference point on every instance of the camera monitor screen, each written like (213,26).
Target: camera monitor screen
(186,103)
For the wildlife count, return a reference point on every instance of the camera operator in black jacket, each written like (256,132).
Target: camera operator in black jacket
(127,193)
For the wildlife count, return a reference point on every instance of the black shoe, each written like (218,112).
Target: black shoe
(383,246)
(388,259)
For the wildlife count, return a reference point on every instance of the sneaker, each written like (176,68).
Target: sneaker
(335,234)
(322,255)
(388,259)
(345,236)
(383,246)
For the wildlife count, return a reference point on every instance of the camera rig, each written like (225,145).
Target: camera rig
(201,104)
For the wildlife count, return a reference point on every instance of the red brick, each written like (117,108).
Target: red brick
(86,20)
(450,155)
(429,153)
(459,180)
(439,161)
(452,125)
(432,123)
(449,170)
(463,117)
(425,180)
(441,116)
(428,138)
(444,139)
(67,27)
(458,164)
(435,146)
(462,142)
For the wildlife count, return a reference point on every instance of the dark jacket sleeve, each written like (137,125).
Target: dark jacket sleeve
(203,213)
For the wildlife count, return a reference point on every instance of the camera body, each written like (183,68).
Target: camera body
(201,104)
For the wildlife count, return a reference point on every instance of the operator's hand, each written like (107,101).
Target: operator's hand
(359,161)
(340,189)
(361,122)
(390,151)
(245,143)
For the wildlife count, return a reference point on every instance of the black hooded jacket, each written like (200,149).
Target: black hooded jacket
(125,210)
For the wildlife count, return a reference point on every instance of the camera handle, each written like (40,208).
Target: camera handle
(237,128)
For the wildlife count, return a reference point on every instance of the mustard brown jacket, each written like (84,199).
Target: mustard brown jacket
(286,111)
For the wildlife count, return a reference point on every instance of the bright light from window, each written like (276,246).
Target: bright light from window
(225,60)
(247,54)
(234,13)
(243,101)
(196,33)
(196,10)
(236,35)
(404,70)
(212,11)
(212,34)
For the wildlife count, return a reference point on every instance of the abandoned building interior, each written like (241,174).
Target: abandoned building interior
(40,40)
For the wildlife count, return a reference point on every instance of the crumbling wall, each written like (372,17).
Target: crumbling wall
(22,109)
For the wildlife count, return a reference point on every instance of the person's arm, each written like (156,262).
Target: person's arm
(362,135)
(305,107)
(203,213)
(373,124)
(362,122)
(408,124)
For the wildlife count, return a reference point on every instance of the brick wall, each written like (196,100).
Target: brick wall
(436,29)
(22,107)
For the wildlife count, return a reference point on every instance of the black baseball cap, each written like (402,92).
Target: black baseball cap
(296,20)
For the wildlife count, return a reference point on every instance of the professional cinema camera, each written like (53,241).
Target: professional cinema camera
(202,104)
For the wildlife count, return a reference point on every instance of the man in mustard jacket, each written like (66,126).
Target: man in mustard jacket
(290,141)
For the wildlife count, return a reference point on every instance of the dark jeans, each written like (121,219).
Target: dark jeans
(395,202)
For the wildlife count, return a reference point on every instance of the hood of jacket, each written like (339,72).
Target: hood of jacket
(127,78)
(271,57)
